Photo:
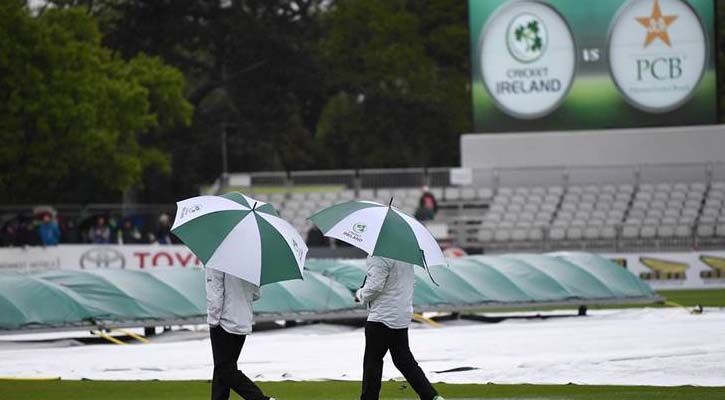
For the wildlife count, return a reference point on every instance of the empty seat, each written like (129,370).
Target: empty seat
(521,190)
(543,216)
(485,235)
(664,187)
(630,232)
(502,235)
(646,187)
(648,231)
(680,186)
(555,190)
(538,191)
(720,230)
(523,224)
(532,208)
(535,198)
(609,232)
(330,195)
(557,233)
(484,193)
(698,186)
(592,232)
(548,207)
(513,207)
(578,222)
(665,231)
(506,190)
(468,193)
(664,196)
(586,206)
(574,233)
(519,234)
(518,199)
(705,230)
(453,194)
(575,189)
(612,221)
(589,197)
(513,217)
(526,216)
(561,223)
(500,208)
(551,198)
(535,234)
(683,231)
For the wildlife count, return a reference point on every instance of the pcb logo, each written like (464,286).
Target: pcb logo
(526,38)
(359,228)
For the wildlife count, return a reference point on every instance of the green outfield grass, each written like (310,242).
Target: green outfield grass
(183,390)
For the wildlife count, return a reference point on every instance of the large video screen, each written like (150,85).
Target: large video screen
(592,64)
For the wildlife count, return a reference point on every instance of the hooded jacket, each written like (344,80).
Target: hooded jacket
(388,292)
(229,302)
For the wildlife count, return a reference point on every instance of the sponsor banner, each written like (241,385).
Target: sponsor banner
(97,256)
(686,270)
(573,64)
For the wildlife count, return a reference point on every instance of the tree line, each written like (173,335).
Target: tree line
(113,98)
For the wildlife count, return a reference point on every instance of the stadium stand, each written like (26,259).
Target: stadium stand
(598,208)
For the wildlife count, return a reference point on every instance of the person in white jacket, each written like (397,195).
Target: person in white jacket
(388,294)
(229,306)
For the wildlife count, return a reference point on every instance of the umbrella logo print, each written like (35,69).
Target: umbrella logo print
(359,227)
(297,249)
(190,210)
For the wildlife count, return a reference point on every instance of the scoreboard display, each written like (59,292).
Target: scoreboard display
(592,64)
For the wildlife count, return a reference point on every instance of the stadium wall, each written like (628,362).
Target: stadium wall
(602,148)
(662,270)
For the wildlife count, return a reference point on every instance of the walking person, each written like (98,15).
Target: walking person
(229,305)
(388,294)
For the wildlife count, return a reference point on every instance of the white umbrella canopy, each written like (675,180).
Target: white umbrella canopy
(380,230)
(241,236)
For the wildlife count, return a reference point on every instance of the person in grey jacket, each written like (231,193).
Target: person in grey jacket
(229,306)
(388,294)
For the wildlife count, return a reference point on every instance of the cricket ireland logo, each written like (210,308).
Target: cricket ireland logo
(359,227)
(526,37)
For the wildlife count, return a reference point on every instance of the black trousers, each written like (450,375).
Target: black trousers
(225,348)
(378,340)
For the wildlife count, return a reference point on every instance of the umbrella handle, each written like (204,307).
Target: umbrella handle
(425,265)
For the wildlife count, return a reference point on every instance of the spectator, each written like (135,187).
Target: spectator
(69,231)
(163,233)
(48,230)
(315,238)
(129,233)
(100,233)
(427,206)
(9,234)
(27,233)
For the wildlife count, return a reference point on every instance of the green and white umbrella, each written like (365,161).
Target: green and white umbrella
(380,230)
(241,236)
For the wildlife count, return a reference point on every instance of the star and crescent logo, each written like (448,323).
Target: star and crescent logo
(657,25)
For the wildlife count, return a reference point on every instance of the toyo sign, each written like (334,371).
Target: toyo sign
(89,257)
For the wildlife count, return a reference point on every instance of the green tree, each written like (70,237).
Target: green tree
(399,83)
(74,115)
